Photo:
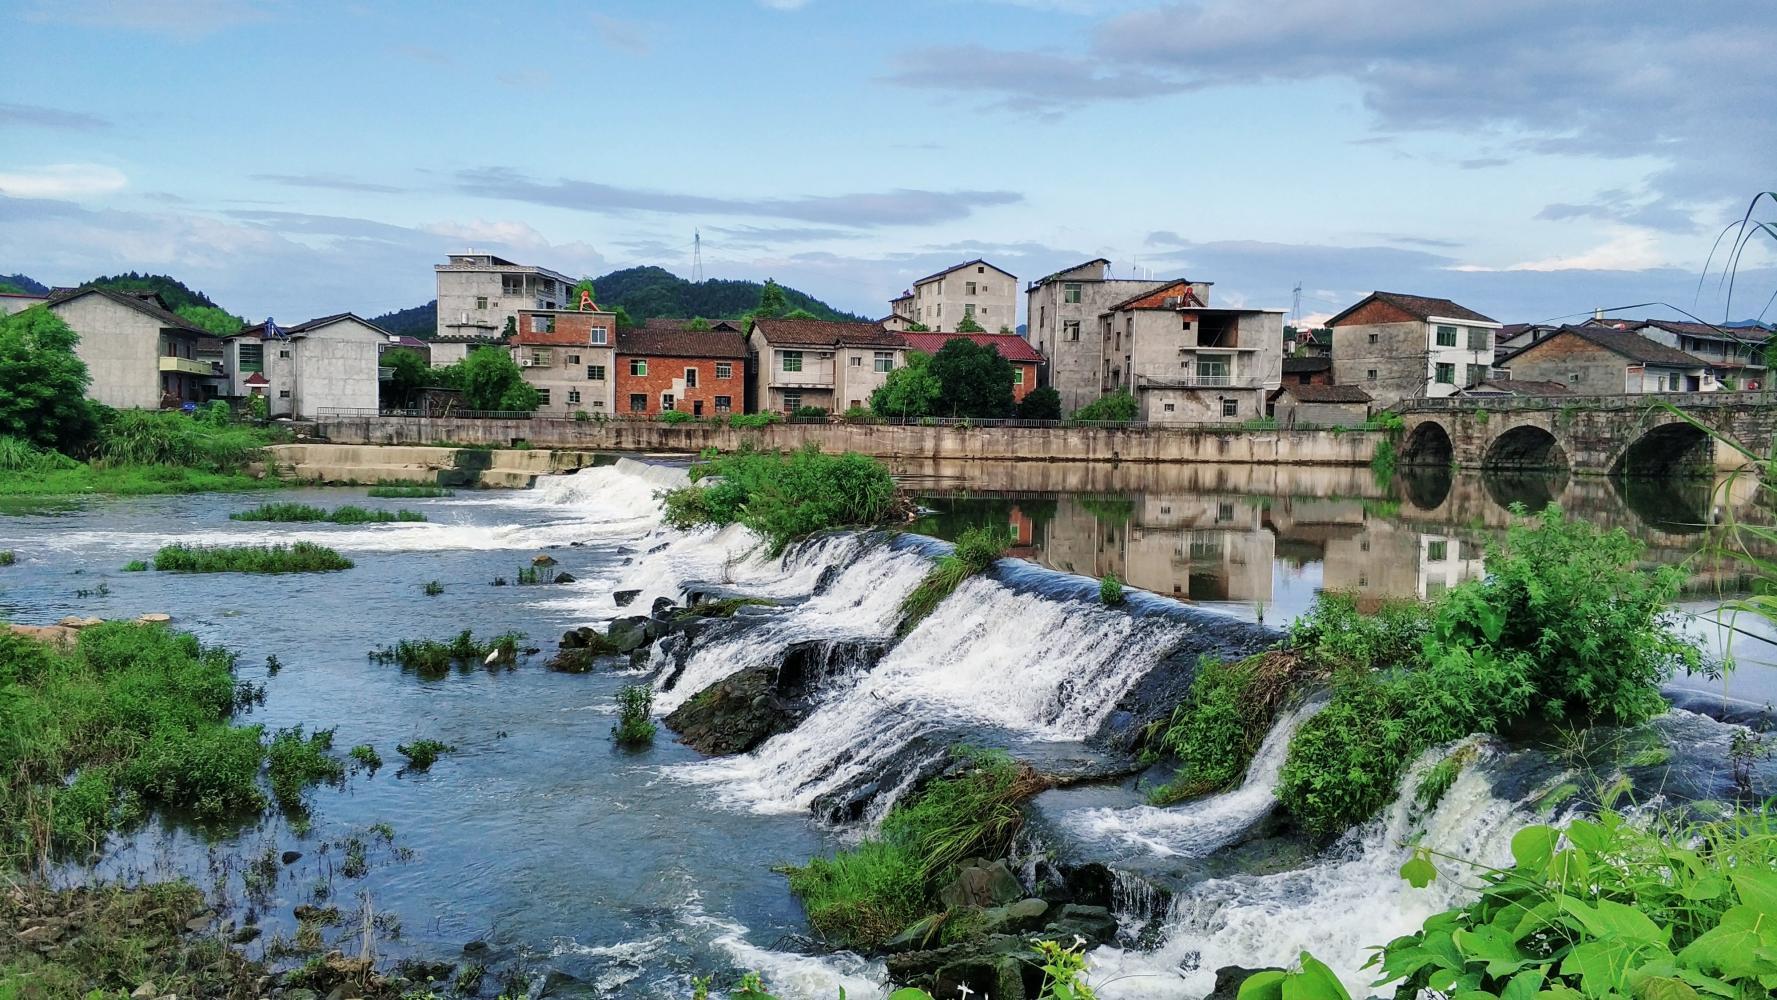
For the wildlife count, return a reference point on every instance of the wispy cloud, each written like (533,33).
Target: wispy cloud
(62,180)
(42,117)
(329,182)
(1039,83)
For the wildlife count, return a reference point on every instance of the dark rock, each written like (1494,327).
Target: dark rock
(915,936)
(1094,923)
(579,651)
(1092,884)
(1153,697)
(245,934)
(1013,918)
(1229,978)
(564,578)
(997,976)
(542,559)
(661,606)
(292,857)
(735,714)
(629,633)
(475,948)
(624,598)
(981,884)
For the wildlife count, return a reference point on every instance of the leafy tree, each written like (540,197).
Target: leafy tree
(1005,330)
(8,288)
(1119,405)
(175,293)
(772,303)
(918,328)
(800,314)
(43,382)
(583,285)
(968,325)
(698,323)
(511,327)
(1040,404)
(976,380)
(910,390)
(217,321)
(623,320)
(491,380)
(410,375)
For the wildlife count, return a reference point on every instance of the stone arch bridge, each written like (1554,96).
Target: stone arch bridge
(1627,435)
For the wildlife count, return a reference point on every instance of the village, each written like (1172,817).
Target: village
(1178,357)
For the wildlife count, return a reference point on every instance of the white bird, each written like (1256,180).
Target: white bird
(491,657)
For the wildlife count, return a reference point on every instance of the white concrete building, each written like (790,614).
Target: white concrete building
(326,365)
(140,354)
(975,290)
(12,302)
(479,295)
(1397,346)
(1188,362)
(1063,311)
(811,362)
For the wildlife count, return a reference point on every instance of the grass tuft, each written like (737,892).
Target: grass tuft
(301,557)
(294,513)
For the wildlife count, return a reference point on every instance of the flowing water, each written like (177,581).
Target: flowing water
(602,872)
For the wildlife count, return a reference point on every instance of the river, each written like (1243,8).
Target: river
(601,872)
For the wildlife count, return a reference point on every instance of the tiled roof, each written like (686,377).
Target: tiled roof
(1306,366)
(258,329)
(1422,306)
(1748,335)
(1009,345)
(826,333)
(1156,290)
(680,323)
(1325,393)
(958,267)
(1627,343)
(1045,279)
(149,307)
(682,343)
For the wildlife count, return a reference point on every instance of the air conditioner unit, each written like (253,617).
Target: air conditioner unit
(529,363)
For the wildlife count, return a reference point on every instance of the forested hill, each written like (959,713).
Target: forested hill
(644,293)
(22,283)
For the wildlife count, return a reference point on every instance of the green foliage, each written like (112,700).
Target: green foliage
(218,321)
(635,709)
(1336,634)
(407,492)
(975,380)
(783,496)
(299,513)
(294,763)
(366,755)
(409,376)
(1117,406)
(968,325)
(1110,590)
(1387,420)
(1384,460)
(301,557)
(913,327)
(753,420)
(423,753)
(43,382)
(1606,909)
(1312,981)
(858,415)
(8,557)
(676,417)
(772,302)
(1042,403)
(912,390)
(809,413)
(432,659)
(432,588)
(976,549)
(170,438)
(698,323)
(175,293)
(492,381)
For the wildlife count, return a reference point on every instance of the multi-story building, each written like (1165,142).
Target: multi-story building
(11,302)
(479,295)
(1738,356)
(1063,311)
(568,356)
(1024,358)
(140,354)
(973,290)
(1188,362)
(1598,360)
(326,365)
(1398,346)
(808,362)
(700,372)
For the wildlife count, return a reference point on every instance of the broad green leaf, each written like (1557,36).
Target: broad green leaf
(1731,946)
(1627,922)
(1267,985)
(1533,846)
(1314,982)
(1706,888)
(1757,888)
(1602,966)
(910,994)
(1489,944)
(1419,871)
(1525,985)
(1588,836)
(1664,988)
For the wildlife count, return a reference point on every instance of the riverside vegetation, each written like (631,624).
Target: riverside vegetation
(301,557)
(297,513)
(783,496)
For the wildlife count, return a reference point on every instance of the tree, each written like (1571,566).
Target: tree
(409,376)
(976,380)
(918,328)
(491,380)
(968,325)
(910,390)
(1119,406)
(43,382)
(8,288)
(216,320)
(800,314)
(772,303)
(1040,404)
(623,320)
(583,285)
(698,323)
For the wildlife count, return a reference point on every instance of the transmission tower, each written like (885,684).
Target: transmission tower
(1296,308)
(696,257)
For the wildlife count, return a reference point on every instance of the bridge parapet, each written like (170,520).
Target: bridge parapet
(1619,401)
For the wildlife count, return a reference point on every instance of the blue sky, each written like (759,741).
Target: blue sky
(1531,159)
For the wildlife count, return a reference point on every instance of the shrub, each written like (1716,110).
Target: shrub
(676,417)
(294,763)
(1110,590)
(432,659)
(408,492)
(1217,729)
(859,415)
(976,549)
(1043,403)
(135,566)
(366,755)
(166,437)
(581,416)
(432,588)
(8,557)
(302,557)
(808,413)
(299,513)
(635,708)
(1117,406)
(753,420)
(423,753)
(783,496)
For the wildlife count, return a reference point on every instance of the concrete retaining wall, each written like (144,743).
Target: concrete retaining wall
(370,464)
(1000,444)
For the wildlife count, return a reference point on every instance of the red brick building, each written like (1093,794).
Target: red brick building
(701,372)
(1013,348)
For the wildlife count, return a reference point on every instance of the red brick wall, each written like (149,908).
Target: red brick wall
(1022,389)
(663,371)
(1378,311)
(1157,298)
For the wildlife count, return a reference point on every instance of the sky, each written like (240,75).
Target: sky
(1531,159)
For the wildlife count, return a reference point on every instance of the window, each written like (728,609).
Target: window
(1375,338)
(724,369)
(1230,407)
(1436,551)
(1446,336)
(1070,291)
(690,378)
(595,373)
(1168,407)
(598,404)
(885,361)
(599,334)
(540,358)
(1018,375)
(638,367)
(573,395)
(792,402)
(481,302)
(940,286)
(638,402)
(1370,375)
(283,393)
(542,324)
(1224,513)
(285,355)
(542,397)
(723,403)
(970,288)
(1479,338)
(511,284)
(980,270)
(939,311)
(792,360)
(857,361)
(251,358)
(573,359)
(968,310)
(1573,376)
(667,402)
(1446,373)
(1477,374)
(1070,329)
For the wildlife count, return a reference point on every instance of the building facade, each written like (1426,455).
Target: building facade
(833,366)
(1310,405)
(12,302)
(700,372)
(1026,362)
(1397,346)
(973,290)
(140,354)
(1591,360)
(326,365)
(478,294)
(1063,311)
(569,357)
(1187,362)
(1738,357)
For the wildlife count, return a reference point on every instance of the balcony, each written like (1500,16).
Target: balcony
(1197,382)
(821,379)
(186,366)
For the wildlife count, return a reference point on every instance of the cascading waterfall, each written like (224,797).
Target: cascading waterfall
(1338,908)
(1195,829)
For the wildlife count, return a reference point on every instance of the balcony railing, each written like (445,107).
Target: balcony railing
(1197,382)
(186,366)
(802,380)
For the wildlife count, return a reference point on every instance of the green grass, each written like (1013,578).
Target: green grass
(8,557)
(408,492)
(136,566)
(294,763)
(722,608)
(784,496)
(366,755)
(301,557)
(422,754)
(302,513)
(1110,590)
(635,724)
(135,480)
(139,452)
(432,659)
(976,549)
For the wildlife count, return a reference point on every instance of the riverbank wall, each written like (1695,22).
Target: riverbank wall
(886,441)
(447,466)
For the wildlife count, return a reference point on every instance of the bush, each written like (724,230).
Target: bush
(366,755)
(783,496)
(976,549)
(859,415)
(408,492)
(8,557)
(1217,729)
(432,659)
(167,437)
(1110,590)
(808,413)
(676,417)
(302,557)
(294,763)
(135,566)
(635,709)
(298,513)
(1042,403)
(432,588)
(753,420)
(43,383)
(422,754)
(1117,406)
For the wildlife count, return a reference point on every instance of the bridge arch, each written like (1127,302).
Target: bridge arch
(1427,444)
(1524,447)
(1678,448)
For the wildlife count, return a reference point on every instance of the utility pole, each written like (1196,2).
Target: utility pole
(696,257)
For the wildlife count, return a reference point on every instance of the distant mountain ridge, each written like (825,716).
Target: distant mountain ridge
(177,294)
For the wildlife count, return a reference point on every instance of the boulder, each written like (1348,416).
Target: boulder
(624,598)
(626,634)
(981,884)
(1228,980)
(915,936)
(661,606)
(1094,923)
(146,991)
(735,714)
(542,559)
(1014,918)
(154,618)
(564,578)
(291,857)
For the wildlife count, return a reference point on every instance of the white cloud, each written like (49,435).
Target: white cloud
(62,180)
